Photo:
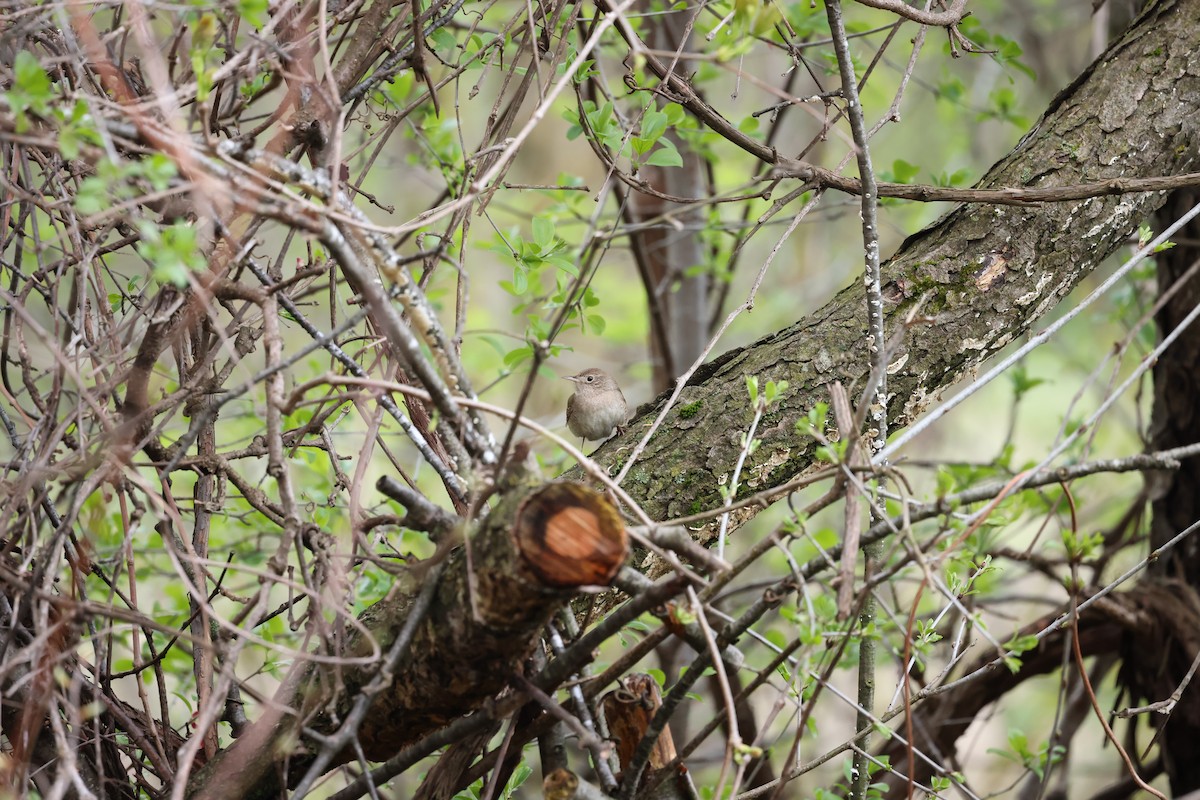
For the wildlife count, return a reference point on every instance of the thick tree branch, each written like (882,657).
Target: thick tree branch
(485,613)
(978,278)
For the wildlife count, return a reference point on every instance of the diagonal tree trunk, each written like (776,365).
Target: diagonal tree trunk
(964,288)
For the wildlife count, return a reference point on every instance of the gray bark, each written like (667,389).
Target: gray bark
(975,280)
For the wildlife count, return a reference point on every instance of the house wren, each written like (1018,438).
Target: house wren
(597,406)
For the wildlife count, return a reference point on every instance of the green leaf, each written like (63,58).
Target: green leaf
(665,156)
(444,43)
(515,357)
(675,114)
(1020,644)
(774,390)
(1009,54)
(520,281)
(752,388)
(30,78)
(30,91)
(654,123)
(565,264)
(254,12)
(172,251)
(159,170)
(69,142)
(601,117)
(543,232)
(1145,234)
(749,125)
(538,330)
(1021,382)
(92,197)
(903,172)
(951,90)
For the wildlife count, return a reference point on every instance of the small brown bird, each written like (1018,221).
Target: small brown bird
(597,406)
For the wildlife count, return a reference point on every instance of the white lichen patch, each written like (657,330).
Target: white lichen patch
(761,471)
(919,399)
(1036,292)
(1117,217)
(1052,297)
(824,361)
(897,365)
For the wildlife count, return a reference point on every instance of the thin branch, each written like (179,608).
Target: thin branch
(940,19)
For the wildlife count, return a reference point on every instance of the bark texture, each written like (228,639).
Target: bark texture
(1157,658)
(972,282)
(628,711)
(1176,416)
(536,548)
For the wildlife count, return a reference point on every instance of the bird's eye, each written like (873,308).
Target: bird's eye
(591,378)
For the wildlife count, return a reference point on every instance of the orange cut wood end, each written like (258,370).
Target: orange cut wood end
(571,536)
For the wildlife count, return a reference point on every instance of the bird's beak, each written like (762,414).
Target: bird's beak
(571,378)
